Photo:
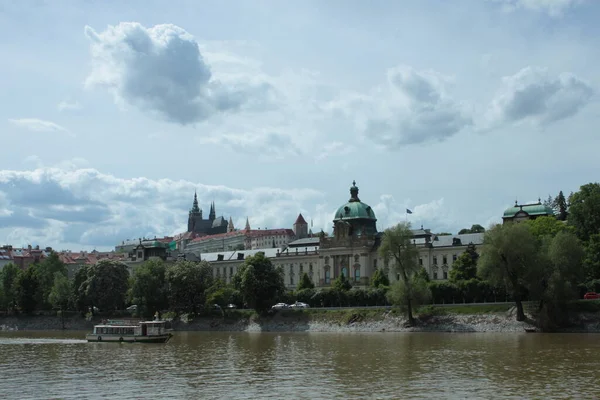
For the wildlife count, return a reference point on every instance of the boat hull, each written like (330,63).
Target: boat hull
(128,338)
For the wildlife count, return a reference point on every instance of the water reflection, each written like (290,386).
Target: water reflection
(301,366)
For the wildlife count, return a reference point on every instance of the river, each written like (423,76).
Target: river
(207,365)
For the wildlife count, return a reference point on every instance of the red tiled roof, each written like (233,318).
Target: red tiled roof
(254,233)
(218,236)
(300,220)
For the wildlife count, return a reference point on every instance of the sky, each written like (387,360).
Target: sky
(112,114)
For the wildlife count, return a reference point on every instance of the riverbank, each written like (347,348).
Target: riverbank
(492,318)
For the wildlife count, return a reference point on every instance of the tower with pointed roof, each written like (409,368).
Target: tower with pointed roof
(300,227)
(230,227)
(211,226)
(247,228)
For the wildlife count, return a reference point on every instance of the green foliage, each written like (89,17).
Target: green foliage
(187,282)
(26,289)
(584,211)
(107,284)
(79,289)
(223,296)
(379,279)
(259,282)
(465,266)
(305,282)
(8,277)
(60,294)
(342,283)
(148,288)
(414,294)
(476,228)
(547,226)
(305,296)
(422,274)
(397,246)
(561,207)
(592,257)
(46,273)
(511,258)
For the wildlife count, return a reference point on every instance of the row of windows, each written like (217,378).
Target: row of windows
(345,273)
(114,331)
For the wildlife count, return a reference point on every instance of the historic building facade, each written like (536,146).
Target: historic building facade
(524,212)
(211,226)
(352,251)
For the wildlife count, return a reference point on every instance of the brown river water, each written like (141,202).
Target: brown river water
(219,365)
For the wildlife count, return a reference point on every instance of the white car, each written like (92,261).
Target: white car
(299,304)
(280,306)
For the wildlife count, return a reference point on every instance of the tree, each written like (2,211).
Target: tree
(510,258)
(476,228)
(8,277)
(465,266)
(415,294)
(584,211)
(60,295)
(379,279)
(561,207)
(305,282)
(592,257)
(26,289)
(342,283)
(547,226)
(107,285)
(397,247)
(79,289)
(259,282)
(187,282)
(46,273)
(148,287)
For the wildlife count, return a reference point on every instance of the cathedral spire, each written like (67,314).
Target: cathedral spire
(247,224)
(195,209)
(212,215)
(230,227)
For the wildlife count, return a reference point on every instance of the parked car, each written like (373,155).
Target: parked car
(591,296)
(280,306)
(132,308)
(299,304)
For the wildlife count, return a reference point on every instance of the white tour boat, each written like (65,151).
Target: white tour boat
(121,331)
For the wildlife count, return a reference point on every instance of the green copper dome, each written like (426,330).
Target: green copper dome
(530,209)
(354,208)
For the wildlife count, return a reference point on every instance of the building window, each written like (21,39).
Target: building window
(435,275)
(327,278)
(345,272)
(375,264)
(310,268)
(444,260)
(291,280)
(420,261)
(291,268)
(231,271)
(454,257)
(301,269)
(434,260)
(397,277)
(445,275)
(357,275)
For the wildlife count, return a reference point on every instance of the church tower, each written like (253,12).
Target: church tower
(212,214)
(300,227)
(247,228)
(230,227)
(195,214)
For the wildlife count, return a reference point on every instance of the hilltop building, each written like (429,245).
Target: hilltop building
(524,212)
(211,226)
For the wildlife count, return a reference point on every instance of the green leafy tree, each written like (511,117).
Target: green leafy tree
(259,282)
(224,296)
(60,294)
(107,285)
(511,258)
(561,207)
(305,282)
(46,272)
(148,287)
(584,211)
(422,274)
(8,277)
(476,228)
(465,266)
(592,257)
(417,292)
(547,226)
(187,283)
(379,279)
(79,289)
(342,283)
(397,247)
(26,290)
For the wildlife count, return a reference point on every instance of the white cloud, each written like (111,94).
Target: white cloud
(38,125)
(334,149)
(69,206)
(161,70)
(414,107)
(65,106)
(534,95)
(554,8)
(268,145)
